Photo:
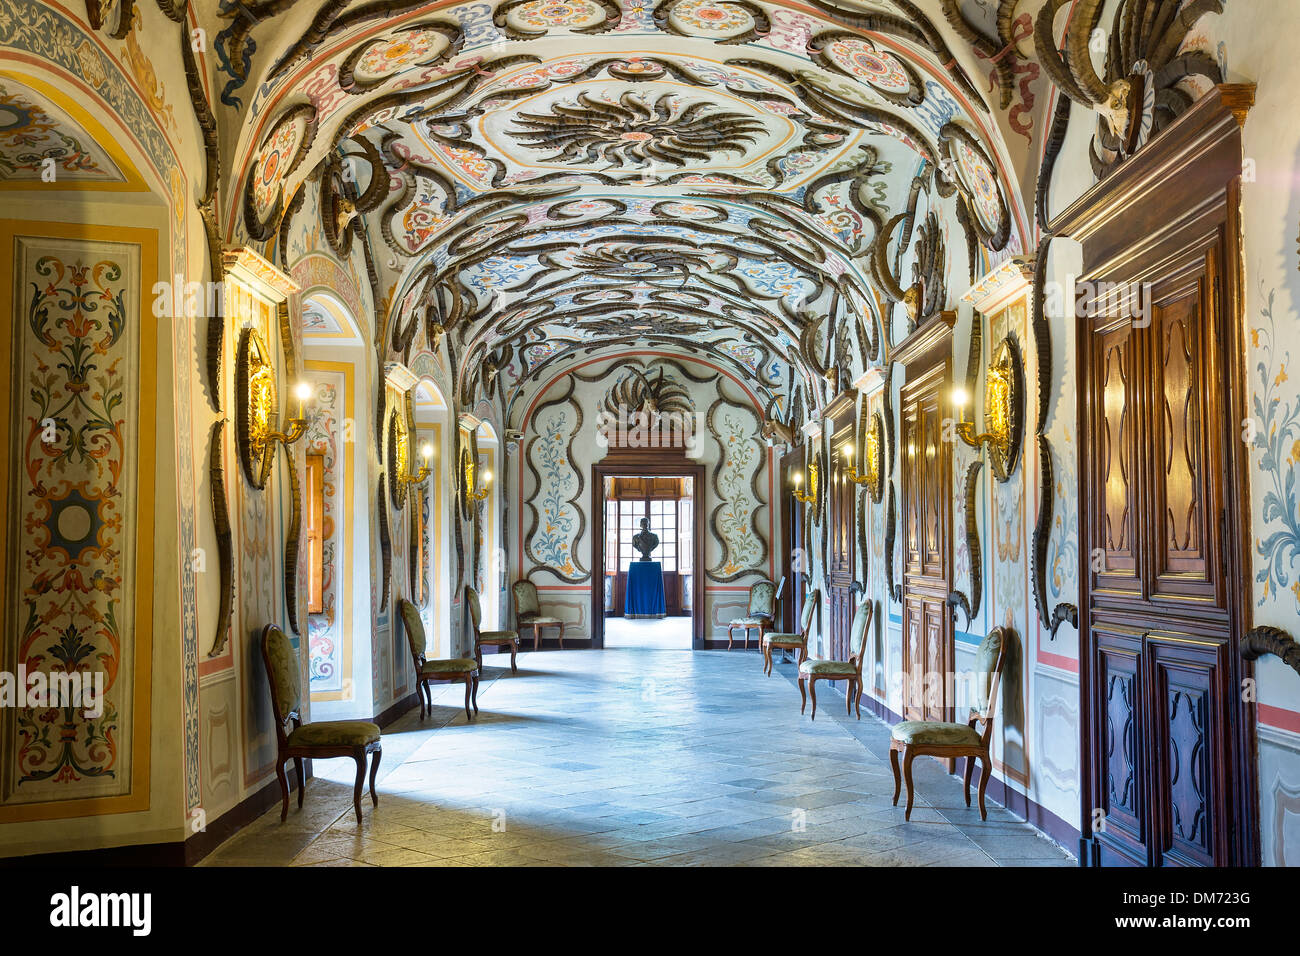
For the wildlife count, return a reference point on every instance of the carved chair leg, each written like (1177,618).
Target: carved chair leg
(537,636)
(907,778)
(302,779)
(966,775)
(986,768)
(848,700)
(812,692)
(857,700)
(284,787)
(561,637)
(361,779)
(514,646)
(467,687)
(728,637)
(474,695)
(898,781)
(478,655)
(420,688)
(803,695)
(374,772)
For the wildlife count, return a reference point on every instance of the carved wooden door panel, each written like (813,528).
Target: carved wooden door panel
(1158,620)
(841,560)
(927,507)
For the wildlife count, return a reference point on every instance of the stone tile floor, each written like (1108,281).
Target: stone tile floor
(636,757)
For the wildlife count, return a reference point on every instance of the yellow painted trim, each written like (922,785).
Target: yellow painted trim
(132,181)
(347,520)
(142,704)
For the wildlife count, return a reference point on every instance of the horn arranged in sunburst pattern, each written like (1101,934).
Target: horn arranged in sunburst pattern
(636,133)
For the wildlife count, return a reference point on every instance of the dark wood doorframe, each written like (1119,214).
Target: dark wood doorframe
(1177,199)
(795,572)
(628,465)
(926,357)
(841,501)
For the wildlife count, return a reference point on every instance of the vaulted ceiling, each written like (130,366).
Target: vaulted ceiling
(543,179)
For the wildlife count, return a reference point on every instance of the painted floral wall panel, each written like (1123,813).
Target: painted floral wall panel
(74,482)
(326,663)
(554,513)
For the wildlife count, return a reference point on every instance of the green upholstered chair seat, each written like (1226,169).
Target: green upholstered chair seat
(828,668)
(450,665)
(747,622)
(538,619)
(780,637)
(935,733)
(335,733)
(495,637)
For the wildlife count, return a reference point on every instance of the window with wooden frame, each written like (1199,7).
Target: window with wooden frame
(315,521)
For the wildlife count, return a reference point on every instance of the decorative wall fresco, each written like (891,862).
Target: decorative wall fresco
(735,520)
(325,667)
(1275,428)
(77,501)
(40,142)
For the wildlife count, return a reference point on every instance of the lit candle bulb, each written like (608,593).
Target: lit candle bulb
(487,478)
(848,452)
(798,478)
(302,392)
(426,451)
(960,398)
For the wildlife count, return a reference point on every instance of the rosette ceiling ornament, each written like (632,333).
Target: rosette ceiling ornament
(533,182)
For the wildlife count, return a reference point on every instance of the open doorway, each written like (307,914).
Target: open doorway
(648,589)
(649,596)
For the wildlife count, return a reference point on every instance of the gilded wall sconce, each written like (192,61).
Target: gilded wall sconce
(257,408)
(811,496)
(469,469)
(400,476)
(1004,410)
(874,476)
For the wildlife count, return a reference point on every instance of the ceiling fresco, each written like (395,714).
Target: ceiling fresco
(533,181)
(40,140)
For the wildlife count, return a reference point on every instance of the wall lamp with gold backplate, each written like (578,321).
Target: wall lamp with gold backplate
(874,475)
(1004,410)
(472,492)
(257,408)
(811,496)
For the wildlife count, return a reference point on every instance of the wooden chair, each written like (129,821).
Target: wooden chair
(935,738)
(490,638)
(759,614)
(454,669)
(528,612)
(325,738)
(790,642)
(811,671)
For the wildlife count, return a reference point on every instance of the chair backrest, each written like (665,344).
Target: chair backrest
(762,599)
(414,629)
(989,658)
(526,604)
(475,608)
(858,631)
(809,609)
(281,662)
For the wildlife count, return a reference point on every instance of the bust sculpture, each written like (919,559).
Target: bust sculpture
(645,540)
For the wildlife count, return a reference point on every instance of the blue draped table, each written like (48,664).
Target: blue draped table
(645,590)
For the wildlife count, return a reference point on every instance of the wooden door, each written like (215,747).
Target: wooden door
(1160,620)
(841,580)
(927,534)
(794,564)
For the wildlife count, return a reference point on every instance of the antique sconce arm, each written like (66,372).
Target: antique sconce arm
(421,476)
(481,493)
(797,491)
